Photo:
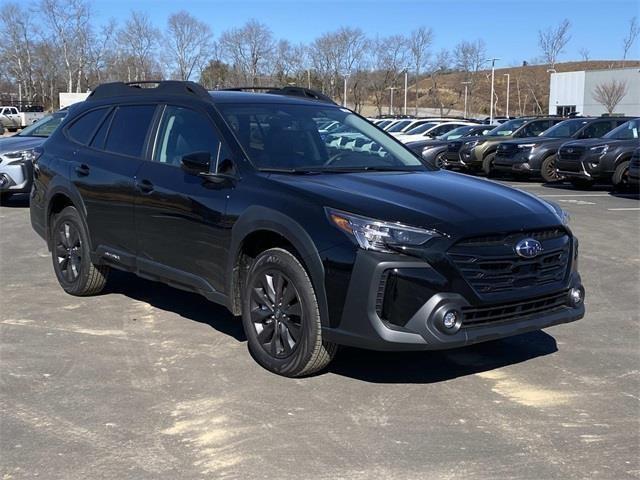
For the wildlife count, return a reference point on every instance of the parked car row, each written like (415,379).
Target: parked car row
(582,150)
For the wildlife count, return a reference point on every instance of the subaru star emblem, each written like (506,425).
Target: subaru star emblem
(569,150)
(528,248)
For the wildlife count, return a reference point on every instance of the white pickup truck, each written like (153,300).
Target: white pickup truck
(12,119)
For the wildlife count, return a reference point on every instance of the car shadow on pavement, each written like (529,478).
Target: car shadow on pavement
(188,305)
(442,365)
(19,200)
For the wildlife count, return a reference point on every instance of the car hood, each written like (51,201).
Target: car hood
(16,143)
(591,142)
(427,143)
(453,203)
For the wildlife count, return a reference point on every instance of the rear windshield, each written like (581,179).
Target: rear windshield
(287,137)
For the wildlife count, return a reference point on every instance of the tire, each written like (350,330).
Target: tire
(76,273)
(582,183)
(548,170)
(620,177)
(439,161)
(487,164)
(278,305)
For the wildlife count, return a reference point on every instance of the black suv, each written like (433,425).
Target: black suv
(315,243)
(606,159)
(478,154)
(537,155)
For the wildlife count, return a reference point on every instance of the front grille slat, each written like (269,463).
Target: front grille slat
(477,316)
(490,265)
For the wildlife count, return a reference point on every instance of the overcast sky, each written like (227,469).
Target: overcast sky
(509,27)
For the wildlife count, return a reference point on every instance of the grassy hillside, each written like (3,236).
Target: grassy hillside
(529,88)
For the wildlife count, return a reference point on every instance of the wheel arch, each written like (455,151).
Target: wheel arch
(260,228)
(60,196)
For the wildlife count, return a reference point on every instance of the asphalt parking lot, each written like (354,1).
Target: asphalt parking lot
(146,381)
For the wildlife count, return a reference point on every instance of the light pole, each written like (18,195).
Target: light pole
(391,100)
(344,98)
(466,85)
(508,82)
(406,78)
(493,74)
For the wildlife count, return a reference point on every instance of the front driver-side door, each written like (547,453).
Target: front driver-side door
(179,215)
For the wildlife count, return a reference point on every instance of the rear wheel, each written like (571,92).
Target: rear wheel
(281,318)
(620,177)
(487,164)
(70,253)
(548,169)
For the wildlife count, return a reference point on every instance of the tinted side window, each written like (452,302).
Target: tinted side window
(81,130)
(596,129)
(184,131)
(129,128)
(534,129)
(101,134)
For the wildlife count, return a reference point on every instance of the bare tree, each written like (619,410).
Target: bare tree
(68,21)
(190,43)
(138,40)
(629,40)
(249,49)
(610,94)
(585,54)
(389,58)
(553,40)
(419,43)
(16,47)
(470,57)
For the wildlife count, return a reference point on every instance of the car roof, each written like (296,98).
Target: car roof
(231,96)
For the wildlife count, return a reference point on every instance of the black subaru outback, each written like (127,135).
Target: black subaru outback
(314,242)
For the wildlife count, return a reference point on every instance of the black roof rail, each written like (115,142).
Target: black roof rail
(167,87)
(290,91)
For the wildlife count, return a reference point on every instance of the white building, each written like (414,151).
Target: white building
(574,91)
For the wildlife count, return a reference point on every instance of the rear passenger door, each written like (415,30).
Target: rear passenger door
(179,214)
(111,143)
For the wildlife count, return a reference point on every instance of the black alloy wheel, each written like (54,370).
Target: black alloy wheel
(68,251)
(276,313)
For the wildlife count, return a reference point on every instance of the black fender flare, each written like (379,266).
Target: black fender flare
(63,186)
(262,218)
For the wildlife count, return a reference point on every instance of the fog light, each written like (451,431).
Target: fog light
(450,319)
(525,166)
(576,296)
(4,181)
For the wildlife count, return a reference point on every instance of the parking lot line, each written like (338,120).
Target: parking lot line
(628,208)
(578,195)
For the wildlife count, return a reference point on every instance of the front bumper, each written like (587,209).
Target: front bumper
(519,163)
(15,178)
(423,297)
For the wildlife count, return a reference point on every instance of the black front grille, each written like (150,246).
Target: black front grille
(454,147)
(507,149)
(474,317)
(570,153)
(490,265)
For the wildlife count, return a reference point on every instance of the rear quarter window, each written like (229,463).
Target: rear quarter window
(82,129)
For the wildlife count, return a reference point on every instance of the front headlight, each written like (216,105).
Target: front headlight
(21,156)
(562,215)
(471,143)
(600,150)
(378,235)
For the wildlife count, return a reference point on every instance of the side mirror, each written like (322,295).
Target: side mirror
(196,162)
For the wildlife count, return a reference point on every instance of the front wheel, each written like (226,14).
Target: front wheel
(487,164)
(549,171)
(281,318)
(620,177)
(76,273)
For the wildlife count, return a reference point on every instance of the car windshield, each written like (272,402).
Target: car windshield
(44,127)
(565,129)
(626,131)
(507,128)
(456,133)
(421,128)
(383,123)
(285,137)
(399,126)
